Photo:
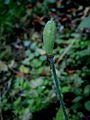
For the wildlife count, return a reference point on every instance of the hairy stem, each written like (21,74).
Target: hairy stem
(52,66)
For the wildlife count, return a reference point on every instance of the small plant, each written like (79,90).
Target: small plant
(48,39)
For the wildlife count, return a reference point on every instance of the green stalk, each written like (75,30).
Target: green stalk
(48,40)
(52,66)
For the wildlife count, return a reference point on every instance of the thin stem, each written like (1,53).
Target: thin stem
(52,66)
(66,50)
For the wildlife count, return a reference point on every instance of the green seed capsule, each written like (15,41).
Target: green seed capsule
(49,36)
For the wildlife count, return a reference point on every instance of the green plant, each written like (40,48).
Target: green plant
(32,90)
(48,38)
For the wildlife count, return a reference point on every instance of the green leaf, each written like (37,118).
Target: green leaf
(36,63)
(87,90)
(17,102)
(24,69)
(59,115)
(65,89)
(36,83)
(77,99)
(87,105)
(85,23)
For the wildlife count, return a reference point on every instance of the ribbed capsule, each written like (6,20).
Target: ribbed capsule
(49,33)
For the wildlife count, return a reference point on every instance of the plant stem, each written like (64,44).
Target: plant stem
(52,66)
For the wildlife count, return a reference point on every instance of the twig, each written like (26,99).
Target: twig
(66,51)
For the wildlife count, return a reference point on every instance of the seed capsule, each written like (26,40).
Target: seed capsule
(49,36)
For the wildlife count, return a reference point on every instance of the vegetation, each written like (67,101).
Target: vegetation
(26,87)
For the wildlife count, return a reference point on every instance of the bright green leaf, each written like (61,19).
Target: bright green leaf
(87,105)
